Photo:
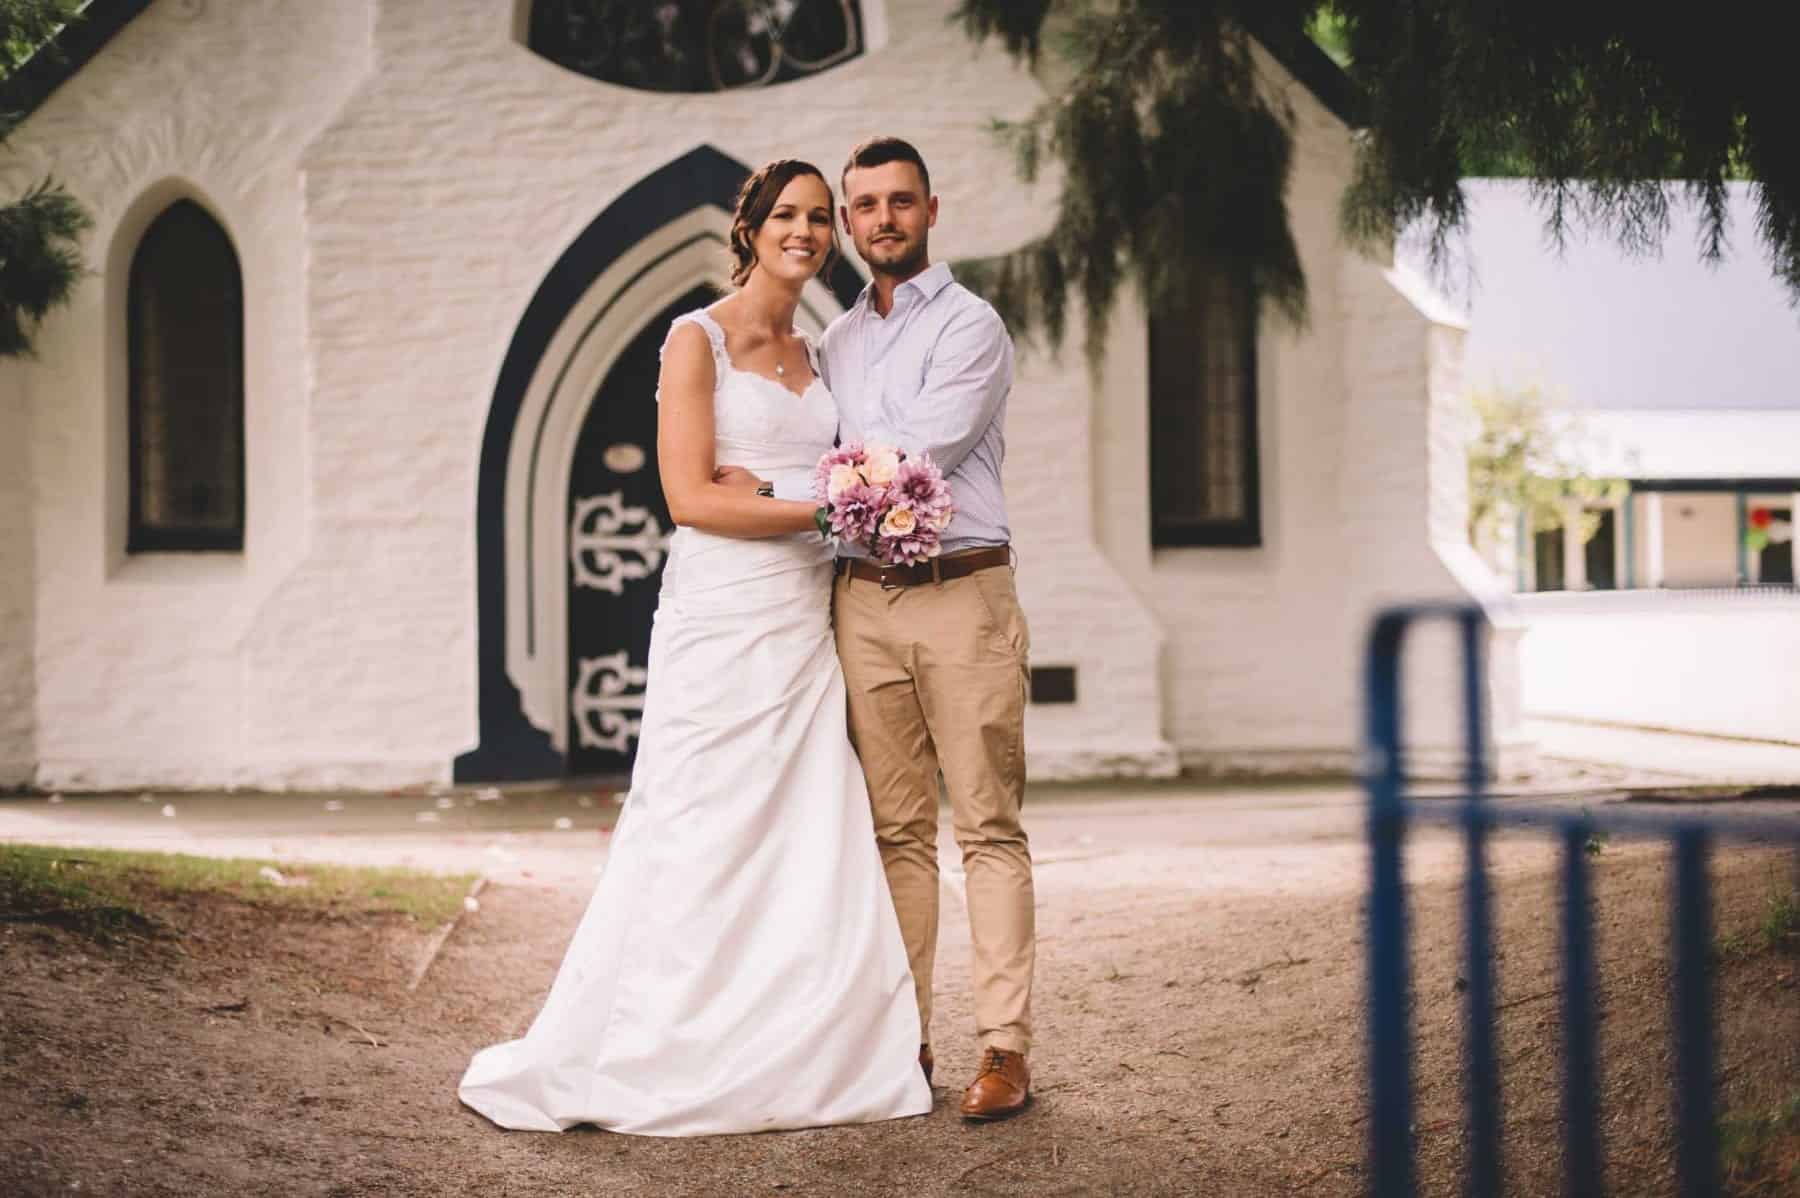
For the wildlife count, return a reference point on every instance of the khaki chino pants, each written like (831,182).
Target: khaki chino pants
(937,680)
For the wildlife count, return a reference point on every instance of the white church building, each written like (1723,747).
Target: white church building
(338,471)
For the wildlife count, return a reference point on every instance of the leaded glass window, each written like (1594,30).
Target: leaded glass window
(696,45)
(1203,450)
(186,353)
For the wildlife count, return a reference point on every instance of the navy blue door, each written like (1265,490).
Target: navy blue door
(618,537)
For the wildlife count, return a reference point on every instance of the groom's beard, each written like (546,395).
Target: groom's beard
(904,267)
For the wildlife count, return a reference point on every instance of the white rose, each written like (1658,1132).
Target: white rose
(899,523)
(843,476)
(881,465)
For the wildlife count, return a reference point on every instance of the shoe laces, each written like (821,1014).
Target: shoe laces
(994,1061)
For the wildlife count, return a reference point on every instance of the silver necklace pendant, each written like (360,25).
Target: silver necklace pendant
(780,370)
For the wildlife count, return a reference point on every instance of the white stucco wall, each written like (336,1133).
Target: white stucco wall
(143,664)
(18,618)
(397,177)
(1710,663)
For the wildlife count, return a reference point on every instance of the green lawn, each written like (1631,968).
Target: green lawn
(107,890)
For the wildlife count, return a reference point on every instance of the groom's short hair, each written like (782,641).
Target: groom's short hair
(879,151)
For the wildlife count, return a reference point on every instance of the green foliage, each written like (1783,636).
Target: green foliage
(1777,930)
(1617,111)
(1759,1150)
(40,258)
(28,26)
(1330,30)
(1173,157)
(1527,457)
(40,261)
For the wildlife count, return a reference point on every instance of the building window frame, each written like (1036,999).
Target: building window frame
(1169,530)
(143,535)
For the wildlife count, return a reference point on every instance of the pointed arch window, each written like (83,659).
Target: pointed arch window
(185,330)
(1204,468)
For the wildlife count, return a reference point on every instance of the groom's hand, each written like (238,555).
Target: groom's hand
(736,477)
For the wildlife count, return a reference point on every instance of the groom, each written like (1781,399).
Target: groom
(934,655)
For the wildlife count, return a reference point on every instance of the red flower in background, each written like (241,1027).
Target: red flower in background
(1761,517)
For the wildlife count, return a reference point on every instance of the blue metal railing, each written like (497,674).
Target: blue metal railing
(1390,1046)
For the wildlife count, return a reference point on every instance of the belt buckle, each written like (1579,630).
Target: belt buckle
(885,584)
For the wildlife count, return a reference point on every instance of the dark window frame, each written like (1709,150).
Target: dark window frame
(1239,532)
(140,536)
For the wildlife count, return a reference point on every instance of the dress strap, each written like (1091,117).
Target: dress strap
(715,336)
(812,350)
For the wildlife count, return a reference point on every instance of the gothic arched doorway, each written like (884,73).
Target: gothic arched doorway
(618,532)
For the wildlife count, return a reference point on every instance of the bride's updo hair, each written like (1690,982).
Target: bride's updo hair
(756,199)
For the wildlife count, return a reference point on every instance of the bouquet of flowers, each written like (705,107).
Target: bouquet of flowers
(875,496)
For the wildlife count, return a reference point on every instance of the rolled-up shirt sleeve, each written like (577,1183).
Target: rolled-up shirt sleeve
(966,381)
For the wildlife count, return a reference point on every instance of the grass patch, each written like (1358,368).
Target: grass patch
(1777,929)
(1759,1152)
(104,891)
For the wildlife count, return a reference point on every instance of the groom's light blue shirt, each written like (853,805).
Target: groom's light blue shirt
(931,376)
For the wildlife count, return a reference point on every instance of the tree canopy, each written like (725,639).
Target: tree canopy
(40,259)
(1176,162)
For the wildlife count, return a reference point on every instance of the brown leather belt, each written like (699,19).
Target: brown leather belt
(937,569)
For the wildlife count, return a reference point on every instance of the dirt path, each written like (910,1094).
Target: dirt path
(1199,1011)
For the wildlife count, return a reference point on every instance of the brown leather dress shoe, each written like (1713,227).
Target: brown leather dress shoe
(926,1061)
(1001,1089)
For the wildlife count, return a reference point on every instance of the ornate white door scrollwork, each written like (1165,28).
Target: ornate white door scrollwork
(608,702)
(612,542)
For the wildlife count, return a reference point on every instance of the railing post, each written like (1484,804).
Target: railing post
(1482,1069)
(1581,1093)
(1390,1058)
(1696,1129)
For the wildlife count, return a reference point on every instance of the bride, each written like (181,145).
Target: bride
(740,966)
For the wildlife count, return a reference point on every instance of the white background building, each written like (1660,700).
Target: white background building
(1680,376)
(335,473)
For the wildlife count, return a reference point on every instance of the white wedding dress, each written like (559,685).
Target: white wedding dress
(740,966)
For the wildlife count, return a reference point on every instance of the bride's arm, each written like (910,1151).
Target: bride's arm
(684,453)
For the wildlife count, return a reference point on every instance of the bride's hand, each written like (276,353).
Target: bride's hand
(736,476)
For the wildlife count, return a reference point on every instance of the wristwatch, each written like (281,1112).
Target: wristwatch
(766,490)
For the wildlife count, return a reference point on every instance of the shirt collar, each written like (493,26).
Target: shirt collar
(927,283)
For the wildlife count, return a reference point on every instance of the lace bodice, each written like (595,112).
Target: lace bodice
(758,422)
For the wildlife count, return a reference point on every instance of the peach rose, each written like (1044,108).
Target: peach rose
(843,477)
(881,466)
(899,523)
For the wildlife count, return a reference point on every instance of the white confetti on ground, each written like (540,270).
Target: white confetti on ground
(334,804)
(168,809)
(271,874)
(426,817)
(471,903)
(489,794)
(564,823)
(585,801)
(445,804)
(56,798)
